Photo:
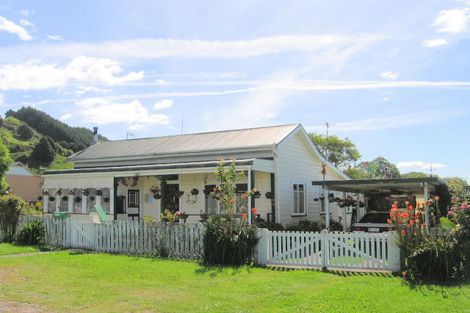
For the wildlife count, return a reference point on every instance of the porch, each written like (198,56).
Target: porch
(134,192)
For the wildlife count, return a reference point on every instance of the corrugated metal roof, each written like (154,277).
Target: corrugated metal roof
(249,138)
(165,166)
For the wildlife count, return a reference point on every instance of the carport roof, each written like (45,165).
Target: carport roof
(394,185)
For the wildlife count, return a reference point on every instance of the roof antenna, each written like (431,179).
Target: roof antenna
(327,141)
(182,121)
(128,134)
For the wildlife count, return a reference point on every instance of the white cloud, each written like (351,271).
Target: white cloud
(160,48)
(34,75)
(134,114)
(452,20)
(391,122)
(55,37)
(26,23)
(86,89)
(389,75)
(26,12)
(164,104)
(65,116)
(431,43)
(13,28)
(419,166)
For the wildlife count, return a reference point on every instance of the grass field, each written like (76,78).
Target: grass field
(68,282)
(7,248)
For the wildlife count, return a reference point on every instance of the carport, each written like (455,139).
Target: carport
(396,186)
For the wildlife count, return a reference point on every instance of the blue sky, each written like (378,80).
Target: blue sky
(391,75)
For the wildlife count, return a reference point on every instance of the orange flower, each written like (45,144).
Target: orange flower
(244,215)
(403,232)
(410,208)
(254,211)
(389,221)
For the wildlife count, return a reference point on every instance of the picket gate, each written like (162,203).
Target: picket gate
(335,250)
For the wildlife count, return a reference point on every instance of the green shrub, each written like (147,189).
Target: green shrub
(25,132)
(228,241)
(260,223)
(335,226)
(305,225)
(31,234)
(435,259)
(11,207)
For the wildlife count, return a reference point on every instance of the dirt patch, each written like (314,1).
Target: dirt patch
(18,307)
(8,274)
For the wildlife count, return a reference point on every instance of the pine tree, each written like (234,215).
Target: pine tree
(43,153)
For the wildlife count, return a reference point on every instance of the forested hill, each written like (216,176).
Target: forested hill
(41,141)
(74,138)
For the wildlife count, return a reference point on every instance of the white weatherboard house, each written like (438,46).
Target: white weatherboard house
(142,177)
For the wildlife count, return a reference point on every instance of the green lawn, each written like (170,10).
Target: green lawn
(8,248)
(67,282)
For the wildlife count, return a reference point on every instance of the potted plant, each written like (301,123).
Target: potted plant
(92,198)
(78,199)
(269,195)
(256,193)
(106,199)
(71,192)
(194,191)
(86,192)
(45,192)
(157,194)
(99,192)
(65,198)
(59,192)
(52,198)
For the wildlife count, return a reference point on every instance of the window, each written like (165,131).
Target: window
(299,198)
(211,204)
(241,203)
(133,198)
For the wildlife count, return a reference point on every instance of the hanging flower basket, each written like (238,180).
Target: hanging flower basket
(78,199)
(92,198)
(269,195)
(71,193)
(40,198)
(256,194)
(194,191)
(45,192)
(59,192)
(99,192)
(65,198)
(157,195)
(106,199)
(86,192)
(51,198)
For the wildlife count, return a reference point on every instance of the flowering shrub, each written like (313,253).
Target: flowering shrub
(427,256)
(227,240)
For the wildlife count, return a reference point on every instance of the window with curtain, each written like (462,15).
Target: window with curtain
(299,198)
(211,204)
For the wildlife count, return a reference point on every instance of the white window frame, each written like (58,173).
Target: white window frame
(298,183)
(136,198)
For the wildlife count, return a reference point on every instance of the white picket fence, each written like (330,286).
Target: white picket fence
(129,237)
(336,250)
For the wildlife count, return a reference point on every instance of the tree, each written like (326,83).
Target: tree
(340,152)
(11,207)
(456,186)
(43,153)
(5,161)
(25,132)
(377,168)
(414,175)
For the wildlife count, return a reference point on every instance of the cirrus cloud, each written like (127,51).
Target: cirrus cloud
(13,28)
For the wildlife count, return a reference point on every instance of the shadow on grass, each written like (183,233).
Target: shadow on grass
(446,289)
(215,270)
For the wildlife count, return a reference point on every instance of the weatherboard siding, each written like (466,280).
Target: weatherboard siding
(297,163)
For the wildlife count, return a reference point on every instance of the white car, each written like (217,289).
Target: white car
(373,222)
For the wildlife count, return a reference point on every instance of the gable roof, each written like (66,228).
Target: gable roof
(228,140)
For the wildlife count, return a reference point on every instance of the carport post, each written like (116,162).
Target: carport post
(426,196)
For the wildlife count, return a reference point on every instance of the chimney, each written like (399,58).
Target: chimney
(95,135)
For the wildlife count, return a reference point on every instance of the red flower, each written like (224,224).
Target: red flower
(254,211)
(244,215)
(403,232)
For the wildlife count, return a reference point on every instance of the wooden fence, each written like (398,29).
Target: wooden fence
(336,250)
(130,237)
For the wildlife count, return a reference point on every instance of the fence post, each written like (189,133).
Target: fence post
(324,249)
(393,253)
(263,246)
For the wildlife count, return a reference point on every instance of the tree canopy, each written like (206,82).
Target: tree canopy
(377,168)
(414,175)
(43,153)
(5,161)
(456,186)
(340,152)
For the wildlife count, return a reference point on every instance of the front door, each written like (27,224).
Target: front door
(170,197)
(133,203)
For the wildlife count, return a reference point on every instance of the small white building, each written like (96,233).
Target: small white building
(142,177)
